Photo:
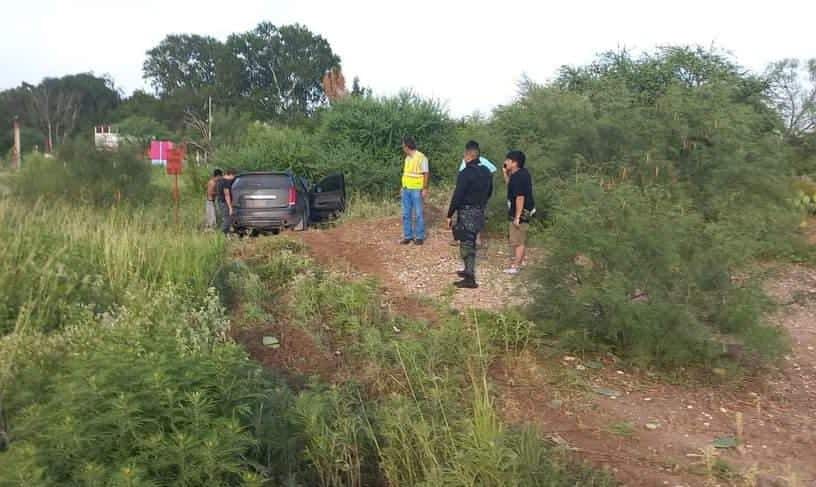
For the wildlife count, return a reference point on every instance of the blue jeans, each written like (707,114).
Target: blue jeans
(412,204)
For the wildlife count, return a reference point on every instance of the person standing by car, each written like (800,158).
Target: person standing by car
(210,215)
(473,188)
(225,200)
(415,176)
(521,205)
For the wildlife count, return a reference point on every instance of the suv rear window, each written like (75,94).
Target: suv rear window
(262,181)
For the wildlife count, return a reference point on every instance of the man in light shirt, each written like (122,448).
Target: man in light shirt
(484,162)
(415,177)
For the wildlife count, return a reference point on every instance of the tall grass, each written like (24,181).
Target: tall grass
(59,258)
(116,367)
(361,205)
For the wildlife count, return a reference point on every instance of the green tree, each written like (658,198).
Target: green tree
(62,107)
(143,129)
(358,89)
(281,69)
(651,74)
(793,94)
(98,98)
(679,140)
(185,61)
(12,104)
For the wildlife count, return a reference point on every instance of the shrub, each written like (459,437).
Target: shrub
(638,271)
(358,136)
(81,173)
(152,394)
(361,136)
(273,148)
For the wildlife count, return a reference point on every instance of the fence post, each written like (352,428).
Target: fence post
(16,154)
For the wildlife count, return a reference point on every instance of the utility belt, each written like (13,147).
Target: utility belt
(470,221)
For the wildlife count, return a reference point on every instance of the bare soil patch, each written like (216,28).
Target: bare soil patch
(297,355)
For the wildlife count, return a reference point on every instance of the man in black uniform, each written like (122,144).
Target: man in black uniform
(473,189)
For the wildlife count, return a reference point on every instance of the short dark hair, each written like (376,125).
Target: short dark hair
(218,172)
(472,145)
(517,156)
(231,172)
(409,142)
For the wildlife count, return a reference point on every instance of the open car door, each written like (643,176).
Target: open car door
(329,197)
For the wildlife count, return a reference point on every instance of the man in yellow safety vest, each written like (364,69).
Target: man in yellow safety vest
(415,177)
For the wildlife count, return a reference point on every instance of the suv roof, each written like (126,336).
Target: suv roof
(265,173)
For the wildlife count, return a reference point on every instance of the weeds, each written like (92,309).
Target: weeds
(360,206)
(339,307)
(82,174)
(624,429)
(510,331)
(63,261)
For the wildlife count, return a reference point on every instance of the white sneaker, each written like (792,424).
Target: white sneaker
(512,271)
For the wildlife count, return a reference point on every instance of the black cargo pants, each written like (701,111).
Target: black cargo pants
(469,222)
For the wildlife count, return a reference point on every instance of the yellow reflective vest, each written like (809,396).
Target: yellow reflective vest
(413,173)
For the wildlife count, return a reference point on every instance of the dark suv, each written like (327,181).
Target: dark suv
(274,201)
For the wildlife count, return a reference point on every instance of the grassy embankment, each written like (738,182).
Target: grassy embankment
(118,368)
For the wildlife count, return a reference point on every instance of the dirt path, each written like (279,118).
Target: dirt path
(410,273)
(646,431)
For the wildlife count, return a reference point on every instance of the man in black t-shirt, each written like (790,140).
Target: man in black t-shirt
(520,203)
(224,198)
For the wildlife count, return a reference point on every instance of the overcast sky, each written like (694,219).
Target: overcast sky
(469,54)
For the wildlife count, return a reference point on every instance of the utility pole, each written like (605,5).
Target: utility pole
(16,154)
(209,129)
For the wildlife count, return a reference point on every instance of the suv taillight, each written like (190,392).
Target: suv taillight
(292,196)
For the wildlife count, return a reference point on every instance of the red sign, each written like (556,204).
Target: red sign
(175,157)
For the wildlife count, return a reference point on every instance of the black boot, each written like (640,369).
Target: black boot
(467,250)
(467,283)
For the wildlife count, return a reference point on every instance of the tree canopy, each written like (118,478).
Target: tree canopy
(59,108)
(273,72)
